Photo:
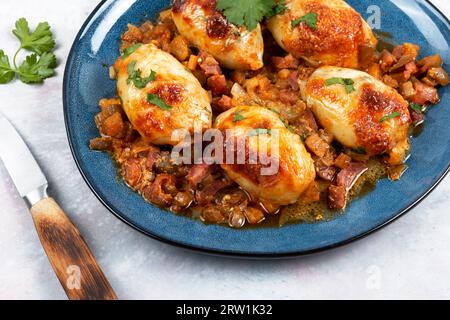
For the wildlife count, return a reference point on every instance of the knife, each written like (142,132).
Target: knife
(74,264)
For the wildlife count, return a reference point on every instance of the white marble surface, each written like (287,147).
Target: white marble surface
(408,259)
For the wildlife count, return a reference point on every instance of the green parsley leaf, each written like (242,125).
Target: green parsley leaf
(416,107)
(38,66)
(35,70)
(157,101)
(7,74)
(39,41)
(348,83)
(279,8)
(246,12)
(238,117)
(390,116)
(310,19)
(285,123)
(130,50)
(259,131)
(134,75)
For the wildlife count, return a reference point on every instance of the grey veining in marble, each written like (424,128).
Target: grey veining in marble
(408,259)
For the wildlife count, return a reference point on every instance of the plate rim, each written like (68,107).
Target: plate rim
(219,252)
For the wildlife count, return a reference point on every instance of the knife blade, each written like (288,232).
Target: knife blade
(21,165)
(71,259)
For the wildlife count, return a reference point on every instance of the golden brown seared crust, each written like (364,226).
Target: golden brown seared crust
(188,102)
(339,33)
(252,172)
(171,93)
(373,106)
(337,39)
(217,26)
(372,116)
(294,167)
(208,29)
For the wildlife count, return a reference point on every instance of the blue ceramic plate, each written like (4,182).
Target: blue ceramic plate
(86,82)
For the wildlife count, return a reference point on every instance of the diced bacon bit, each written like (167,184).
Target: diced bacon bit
(132,35)
(157,191)
(198,173)
(163,34)
(366,55)
(305,72)
(429,62)
(283,74)
(327,173)
(132,172)
(326,136)
(312,194)
(218,85)
(387,60)
(225,103)
(316,145)
(101,144)
(200,75)
(238,76)
(253,215)
(293,80)
(348,176)
(193,62)
(212,215)
(342,161)
(346,179)
(152,156)
(208,64)
(424,93)
(403,61)
(308,116)
(391,82)
(288,96)
(207,195)
(439,75)
(130,133)
(406,49)
(399,77)
(327,160)
(113,126)
(179,47)
(106,104)
(337,197)
(288,62)
(410,69)
(375,70)
(407,90)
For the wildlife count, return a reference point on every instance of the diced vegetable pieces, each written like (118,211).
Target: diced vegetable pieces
(316,145)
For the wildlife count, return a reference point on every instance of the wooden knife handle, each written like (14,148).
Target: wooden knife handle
(75,266)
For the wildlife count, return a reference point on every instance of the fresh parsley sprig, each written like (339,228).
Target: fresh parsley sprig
(130,50)
(249,13)
(416,107)
(310,19)
(237,116)
(347,83)
(40,64)
(134,75)
(157,101)
(390,116)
